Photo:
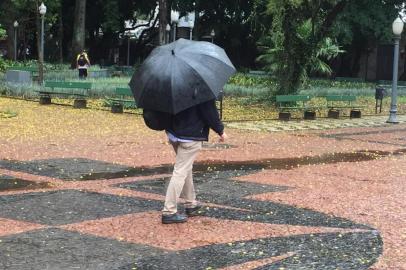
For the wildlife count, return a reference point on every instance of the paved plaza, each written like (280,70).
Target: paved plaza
(83,189)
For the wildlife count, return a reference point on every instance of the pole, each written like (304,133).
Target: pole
(393,110)
(128,51)
(42,38)
(15,43)
(41,57)
(191,33)
(174,32)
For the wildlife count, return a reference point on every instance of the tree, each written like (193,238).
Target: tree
(231,21)
(363,25)
(293,52)
(79,30)
(317,64)
(105,25)
(10,10)
(163,14)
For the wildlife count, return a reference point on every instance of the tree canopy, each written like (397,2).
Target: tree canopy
(296,34)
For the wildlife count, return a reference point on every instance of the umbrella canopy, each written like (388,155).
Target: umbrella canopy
(180,75)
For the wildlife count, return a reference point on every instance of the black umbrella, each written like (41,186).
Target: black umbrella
(180,75)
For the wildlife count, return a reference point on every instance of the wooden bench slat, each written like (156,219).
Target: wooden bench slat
(292,98)
(42,92)
(340,98)
(69,85)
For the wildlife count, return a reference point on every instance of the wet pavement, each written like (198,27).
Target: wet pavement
(74,198)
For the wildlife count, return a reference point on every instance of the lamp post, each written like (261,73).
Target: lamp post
(15,39)
(397,28)
(42,10)
(212,34)
(174,20)
(168,30)
(191,25)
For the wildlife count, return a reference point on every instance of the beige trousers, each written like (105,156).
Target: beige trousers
(181,183)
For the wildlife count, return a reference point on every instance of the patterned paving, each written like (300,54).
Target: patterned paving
(318,124)
(75,198)
(78,229)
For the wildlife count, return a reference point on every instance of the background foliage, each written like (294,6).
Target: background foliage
(291,39)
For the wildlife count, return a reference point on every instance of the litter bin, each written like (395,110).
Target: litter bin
(380,93)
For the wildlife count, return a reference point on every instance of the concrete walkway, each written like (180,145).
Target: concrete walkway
(318,124)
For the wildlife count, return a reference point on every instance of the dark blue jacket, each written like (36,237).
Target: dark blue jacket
(194,123)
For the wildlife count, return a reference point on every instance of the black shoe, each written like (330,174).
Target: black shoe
(194,211)
(174,218)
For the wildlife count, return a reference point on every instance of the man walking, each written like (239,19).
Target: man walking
(186,133)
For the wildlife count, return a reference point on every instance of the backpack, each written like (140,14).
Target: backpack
(81,60)
(156,120)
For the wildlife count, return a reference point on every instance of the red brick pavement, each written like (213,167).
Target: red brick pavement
(369,192)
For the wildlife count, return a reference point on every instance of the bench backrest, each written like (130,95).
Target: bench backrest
(340,98)
(292,98)
(72,85)
(124,91)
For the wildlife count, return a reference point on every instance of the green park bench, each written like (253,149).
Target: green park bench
(78,90)
(288,103)
(349,79)
(123,99)
(336,103)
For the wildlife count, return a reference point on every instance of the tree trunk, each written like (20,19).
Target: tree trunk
(60,35)
(78,40)
(163,11)
(10,41)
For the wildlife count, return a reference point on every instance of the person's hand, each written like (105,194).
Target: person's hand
(223,137)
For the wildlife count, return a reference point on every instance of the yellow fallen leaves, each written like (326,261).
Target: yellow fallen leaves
(7,114)
(52,123)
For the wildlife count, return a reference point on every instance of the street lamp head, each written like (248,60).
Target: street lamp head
(191,23)
(397,26)
(212,33)
(168,27)
(174,16)
(42,9)
(15,24)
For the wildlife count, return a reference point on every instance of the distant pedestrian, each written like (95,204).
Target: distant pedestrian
(82,64)
(187,131)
